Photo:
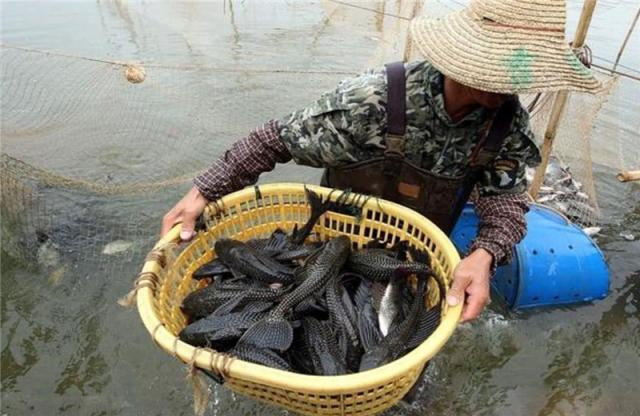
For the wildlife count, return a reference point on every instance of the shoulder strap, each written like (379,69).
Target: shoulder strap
(396,101)
(396,119)
(486,154)
(487,151)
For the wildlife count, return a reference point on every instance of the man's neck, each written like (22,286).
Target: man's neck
(457,100)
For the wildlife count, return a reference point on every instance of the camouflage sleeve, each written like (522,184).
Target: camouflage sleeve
(343,126)
(519,150)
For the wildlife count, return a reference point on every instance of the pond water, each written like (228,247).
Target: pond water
(215,70)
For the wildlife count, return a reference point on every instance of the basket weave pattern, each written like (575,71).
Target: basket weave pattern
(257,213)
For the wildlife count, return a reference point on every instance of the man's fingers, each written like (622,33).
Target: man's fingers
(473,308)
(455,295)
(167,222)
(188,225)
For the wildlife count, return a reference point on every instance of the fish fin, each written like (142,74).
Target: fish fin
(258,306)
(401,248)
(375,243)
(211,269)
(278,240)
(361,295)
(275,334)
(260,356)
(318,207)
(369,361)
(419,256)
(236,274)
(369,333)
(228,306)
(223,335)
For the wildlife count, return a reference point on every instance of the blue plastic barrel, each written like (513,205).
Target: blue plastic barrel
(556,263)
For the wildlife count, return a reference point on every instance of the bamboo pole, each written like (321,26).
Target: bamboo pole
(628,175)
(408,44)
(626,39)
(560,101)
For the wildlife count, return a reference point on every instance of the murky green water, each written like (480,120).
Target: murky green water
(68,348)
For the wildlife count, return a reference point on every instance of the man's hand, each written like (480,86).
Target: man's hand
(187,210)
(471,277)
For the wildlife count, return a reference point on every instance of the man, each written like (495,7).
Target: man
(429,154)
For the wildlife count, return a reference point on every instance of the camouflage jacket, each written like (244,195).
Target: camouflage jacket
(349,124)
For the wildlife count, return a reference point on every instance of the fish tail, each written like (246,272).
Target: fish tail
(275,334)
(318,207)
(368,362)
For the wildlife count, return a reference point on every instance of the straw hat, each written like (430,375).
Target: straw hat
(504,46)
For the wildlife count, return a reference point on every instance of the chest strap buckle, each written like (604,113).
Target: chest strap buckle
(393,154)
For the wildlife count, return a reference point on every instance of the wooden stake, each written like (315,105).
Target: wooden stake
(628,175)
(559,103)
(408,44)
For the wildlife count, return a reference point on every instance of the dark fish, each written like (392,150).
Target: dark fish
(223,326)
(219,328)
(242,258)
(322,348)
(298,355)
(275,332)
(297,253)
(314,305)
(428,321)
(343,317)
(211,269)
(379,264)
(367,319)
(280,248)
(393,345)
(248,352)
(318,207)
(391,302)
(202,302)
(274,245)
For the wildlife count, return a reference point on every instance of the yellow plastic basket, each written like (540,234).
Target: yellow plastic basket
(256,212)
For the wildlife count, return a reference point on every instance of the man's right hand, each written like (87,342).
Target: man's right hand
(187,211)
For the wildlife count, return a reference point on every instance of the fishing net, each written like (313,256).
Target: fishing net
(91,159)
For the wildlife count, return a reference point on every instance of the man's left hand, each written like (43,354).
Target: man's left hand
(471,277)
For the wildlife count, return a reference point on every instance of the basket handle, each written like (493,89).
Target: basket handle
(171,236)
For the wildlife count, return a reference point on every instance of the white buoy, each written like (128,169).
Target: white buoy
(135,74)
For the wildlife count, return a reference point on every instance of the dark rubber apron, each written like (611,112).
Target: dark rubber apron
(439,198)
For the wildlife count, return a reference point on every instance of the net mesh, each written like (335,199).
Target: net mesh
(88,158)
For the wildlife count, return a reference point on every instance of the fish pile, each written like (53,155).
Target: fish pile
(564,193)
(314,308)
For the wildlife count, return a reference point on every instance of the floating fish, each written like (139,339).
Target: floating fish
(116,247)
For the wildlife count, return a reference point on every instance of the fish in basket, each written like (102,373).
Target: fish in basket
(315,300)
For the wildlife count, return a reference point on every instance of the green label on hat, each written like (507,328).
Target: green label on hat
(518,66)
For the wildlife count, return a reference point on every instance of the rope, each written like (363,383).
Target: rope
(47,178)
(356,6)
(183,67)
(200,389)
(144,279)
(158,255)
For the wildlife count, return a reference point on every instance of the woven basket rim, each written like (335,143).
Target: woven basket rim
(330,385)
